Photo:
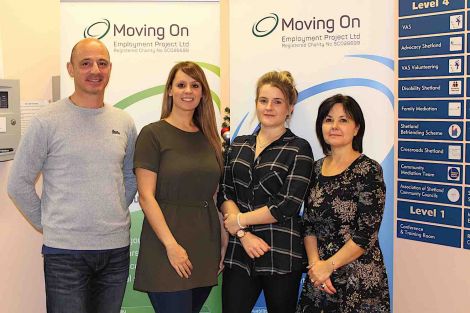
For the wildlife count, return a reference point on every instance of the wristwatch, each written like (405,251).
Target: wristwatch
(241,233)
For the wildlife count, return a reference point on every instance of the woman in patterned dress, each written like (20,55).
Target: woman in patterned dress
(342,218)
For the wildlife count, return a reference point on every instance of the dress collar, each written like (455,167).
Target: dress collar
(286,137)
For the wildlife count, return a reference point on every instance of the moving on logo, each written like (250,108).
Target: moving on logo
(266,25)
(97,30)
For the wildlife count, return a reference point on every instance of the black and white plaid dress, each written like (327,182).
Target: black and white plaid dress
(277,178)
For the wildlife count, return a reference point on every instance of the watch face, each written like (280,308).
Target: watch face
(240,233)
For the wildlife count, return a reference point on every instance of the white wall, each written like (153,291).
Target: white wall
(29,43)
(1,56)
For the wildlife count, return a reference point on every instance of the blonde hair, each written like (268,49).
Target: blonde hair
(204,114)
(283,81)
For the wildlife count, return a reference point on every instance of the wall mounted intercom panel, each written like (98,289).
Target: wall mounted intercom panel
(10,118)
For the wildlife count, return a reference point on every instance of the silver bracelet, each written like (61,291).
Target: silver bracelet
(238,221)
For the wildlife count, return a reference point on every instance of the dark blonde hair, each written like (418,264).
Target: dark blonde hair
(204,114)
(283,81)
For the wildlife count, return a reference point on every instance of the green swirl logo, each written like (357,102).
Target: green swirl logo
(265,26)
(97,30)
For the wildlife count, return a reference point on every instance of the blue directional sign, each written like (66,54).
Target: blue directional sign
(431,213)
(435,151)
(466,199)
(466,218)
(433,167)
(468,130)
(468,66)
(468,87)
(430,130)
(467,176)
(415,7)
(431,88)
(429,67)
(440,235)
(435,45)
(466,239)
(435,172)
(468,37)
(432,24)
(435,193)
(468,14)
(467,155)
(431,109)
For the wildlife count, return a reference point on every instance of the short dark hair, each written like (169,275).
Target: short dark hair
(352,108)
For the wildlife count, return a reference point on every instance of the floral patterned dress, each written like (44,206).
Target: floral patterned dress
(347,206)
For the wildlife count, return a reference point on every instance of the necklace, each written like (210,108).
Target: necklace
(260,144)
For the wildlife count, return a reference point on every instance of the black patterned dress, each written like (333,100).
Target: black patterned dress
(347,206)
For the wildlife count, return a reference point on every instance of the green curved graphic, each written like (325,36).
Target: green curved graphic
(211,67)
(216,99)
(150,92)
(127,102)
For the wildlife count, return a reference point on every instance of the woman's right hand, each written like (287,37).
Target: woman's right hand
(254,246)
(223,249)
(179,260)
(320,271)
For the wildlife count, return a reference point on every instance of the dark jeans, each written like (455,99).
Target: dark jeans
(240,291)
(184,301)
(86,282)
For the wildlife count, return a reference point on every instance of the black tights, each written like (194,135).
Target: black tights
(240,291)
(185,301)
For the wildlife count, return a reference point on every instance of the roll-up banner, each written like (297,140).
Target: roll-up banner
(329,47)
(145,40)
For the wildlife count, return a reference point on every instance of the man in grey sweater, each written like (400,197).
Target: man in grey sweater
(84,151)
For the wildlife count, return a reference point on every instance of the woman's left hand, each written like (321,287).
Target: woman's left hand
(326,286)
(231,223)
(223,249)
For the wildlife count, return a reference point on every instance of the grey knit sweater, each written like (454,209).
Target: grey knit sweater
(85,157)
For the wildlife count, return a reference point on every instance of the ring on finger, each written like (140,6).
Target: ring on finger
(322,286)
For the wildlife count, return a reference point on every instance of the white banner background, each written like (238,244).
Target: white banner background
(183,31)
(349,50)
(134,72)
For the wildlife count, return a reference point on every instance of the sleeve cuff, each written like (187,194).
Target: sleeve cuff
(362,241)
(309,231)
(145,166)
(274,210)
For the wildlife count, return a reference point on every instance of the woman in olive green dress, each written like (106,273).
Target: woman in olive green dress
(178,164)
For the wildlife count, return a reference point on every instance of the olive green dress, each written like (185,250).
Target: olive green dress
(187,178)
